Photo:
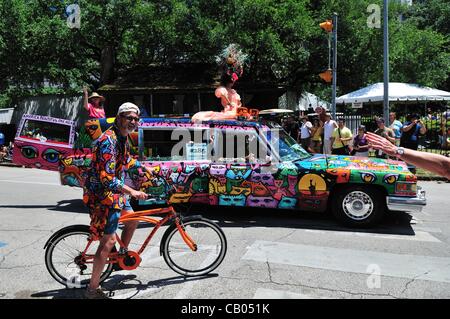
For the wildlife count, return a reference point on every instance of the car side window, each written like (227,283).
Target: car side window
(174,144)
(238,146)
(46,131)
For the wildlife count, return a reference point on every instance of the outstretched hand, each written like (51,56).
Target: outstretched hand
(380,143)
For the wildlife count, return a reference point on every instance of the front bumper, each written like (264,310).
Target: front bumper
(407,204)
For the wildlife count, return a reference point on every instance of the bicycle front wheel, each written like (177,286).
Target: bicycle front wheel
(65,260)
(211,247)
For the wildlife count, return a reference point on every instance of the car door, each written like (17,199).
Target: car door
(176,152)
(238,174)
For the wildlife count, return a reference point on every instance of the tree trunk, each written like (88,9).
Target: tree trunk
(107,65)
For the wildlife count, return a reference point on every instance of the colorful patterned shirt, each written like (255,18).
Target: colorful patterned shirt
(105,178)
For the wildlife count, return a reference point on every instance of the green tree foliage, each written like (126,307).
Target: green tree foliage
(39,53)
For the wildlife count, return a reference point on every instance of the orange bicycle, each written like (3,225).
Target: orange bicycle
(191,246)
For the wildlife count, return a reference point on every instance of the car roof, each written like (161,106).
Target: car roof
(186,120)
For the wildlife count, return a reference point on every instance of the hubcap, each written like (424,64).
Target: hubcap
(357,205)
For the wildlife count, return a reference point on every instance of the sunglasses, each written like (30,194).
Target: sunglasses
(131,118)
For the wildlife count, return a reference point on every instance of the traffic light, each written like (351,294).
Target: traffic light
(327,25)
(327,76)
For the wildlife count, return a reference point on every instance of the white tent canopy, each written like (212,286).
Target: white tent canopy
(308,100)
(397,92)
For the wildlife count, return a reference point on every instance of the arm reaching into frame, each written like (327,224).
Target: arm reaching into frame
(435,163)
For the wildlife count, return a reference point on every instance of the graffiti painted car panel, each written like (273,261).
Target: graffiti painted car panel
(251,164)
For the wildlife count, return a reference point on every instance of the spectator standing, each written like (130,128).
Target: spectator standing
(292,128)
(411,130)
(305,133)
(93,105)
(385,132)
(3,152)
(396,126)
(430,115)
(360,143)
(341,137)
(328,127)
(316,136)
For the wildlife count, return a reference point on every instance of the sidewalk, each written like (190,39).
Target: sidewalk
(424,175)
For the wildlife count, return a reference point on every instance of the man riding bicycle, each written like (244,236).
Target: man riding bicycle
(105,191)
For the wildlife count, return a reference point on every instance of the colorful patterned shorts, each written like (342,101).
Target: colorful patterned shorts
(112,223)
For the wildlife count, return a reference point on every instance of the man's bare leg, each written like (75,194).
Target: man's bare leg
(128,230)
(106,244)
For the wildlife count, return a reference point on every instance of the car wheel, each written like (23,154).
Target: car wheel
(359,206)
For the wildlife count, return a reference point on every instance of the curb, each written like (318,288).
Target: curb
(432,178)
(8,164)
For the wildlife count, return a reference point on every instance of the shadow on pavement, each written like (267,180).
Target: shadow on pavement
(398,223)
(67,206)
(122,287)
(395,223)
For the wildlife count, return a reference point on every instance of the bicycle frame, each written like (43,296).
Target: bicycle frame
(142,216)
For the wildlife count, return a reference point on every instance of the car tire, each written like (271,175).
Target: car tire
(358,205)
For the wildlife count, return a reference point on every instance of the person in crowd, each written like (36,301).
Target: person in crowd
(360,143)
(430,115)
(328,127)
(396,126)
(316,136)
(435,163)
(305,133)
(94,104)
(3,152)
(292,128)
(385,132)
(411,130)
(321,113)
(341,138)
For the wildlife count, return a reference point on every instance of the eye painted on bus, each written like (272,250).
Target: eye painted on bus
(51,155)
(29,152)
(390,178)
(368,177)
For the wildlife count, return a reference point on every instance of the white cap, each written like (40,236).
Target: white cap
(128,107)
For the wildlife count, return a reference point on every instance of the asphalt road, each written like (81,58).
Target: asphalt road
(271,254)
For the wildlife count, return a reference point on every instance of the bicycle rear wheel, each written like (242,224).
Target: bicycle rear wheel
(211,247)
(64,261)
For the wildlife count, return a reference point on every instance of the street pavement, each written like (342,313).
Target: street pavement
(271,254)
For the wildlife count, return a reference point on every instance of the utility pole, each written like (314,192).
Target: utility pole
(333,97)
(386,61)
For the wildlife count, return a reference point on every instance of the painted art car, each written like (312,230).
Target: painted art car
(239,163)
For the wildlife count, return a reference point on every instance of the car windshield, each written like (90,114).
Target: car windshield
(288,149)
